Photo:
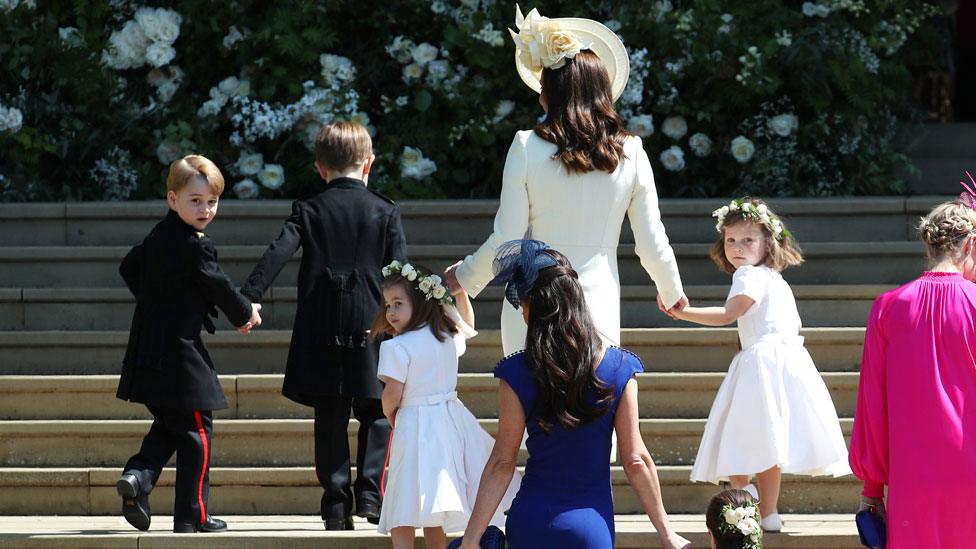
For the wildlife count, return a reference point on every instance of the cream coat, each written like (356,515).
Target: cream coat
(580,215)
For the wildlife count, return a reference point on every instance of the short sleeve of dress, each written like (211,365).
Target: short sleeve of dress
(749,281)
(630,365)
(394,361)
(515,371)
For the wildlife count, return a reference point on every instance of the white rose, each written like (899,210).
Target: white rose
(250,164)
(410,156)
(395,264)
(246,188)
(438,69)
(740,513)
(409,272)
(747,526)
(227,86)
(559,46)
(673,159)
(762,209)
(439,292)
(412,72)
(427,167)
(503,109)
(700,144)
(159,25)
(750,511)
(425,285)
(159,54)
(783,124)
(386,271)
(642,125)
(272,176)
(435,280)
(424,53)
(742,149)
(674,127)
(730,516)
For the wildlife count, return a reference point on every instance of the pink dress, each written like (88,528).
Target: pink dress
(915,424)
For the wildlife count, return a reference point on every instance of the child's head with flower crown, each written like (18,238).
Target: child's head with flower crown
(413,297)
(733,519)
(751,234)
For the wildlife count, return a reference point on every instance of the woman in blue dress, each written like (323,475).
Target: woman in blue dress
(570,392)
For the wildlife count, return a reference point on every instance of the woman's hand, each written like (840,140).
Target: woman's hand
(392,417)
(450,277)
(673,541)
(875,505)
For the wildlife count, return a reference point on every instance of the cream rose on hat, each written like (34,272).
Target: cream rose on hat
(543,43)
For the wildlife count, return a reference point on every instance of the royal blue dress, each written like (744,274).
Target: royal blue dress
(566,498)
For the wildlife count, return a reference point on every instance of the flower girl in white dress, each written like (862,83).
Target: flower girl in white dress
(438,450)
(773,413)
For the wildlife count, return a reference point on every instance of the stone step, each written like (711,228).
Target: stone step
(255,442)
(447,221)
(826,263)
(661,395)
(111,308)
(265,351)
(294,490)
(807,531)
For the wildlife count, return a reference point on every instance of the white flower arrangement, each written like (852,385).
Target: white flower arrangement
(674,127)
(432,286)
(756,213)
(414,165)
(743,520)
(272,176)
(641,125)
(742,149)
(147,37)
(700,144)
(673,159)
(246,188)
(250,164)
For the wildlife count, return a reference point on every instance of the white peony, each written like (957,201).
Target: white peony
(425,285)
(747,526)
(159,54)
(435,280)
(674,127)
(700,144)
(439,292)
(783,124)
(246,188)
(272,176)
(641,125)
(412,72)
(159,24)
(409,272)
(673,159)
(742,149)
(250,164)
(424,53)
(730,516)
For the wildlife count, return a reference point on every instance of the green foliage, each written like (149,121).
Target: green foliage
(443,125)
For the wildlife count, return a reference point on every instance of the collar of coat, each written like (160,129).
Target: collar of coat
(346,183)
(173,218)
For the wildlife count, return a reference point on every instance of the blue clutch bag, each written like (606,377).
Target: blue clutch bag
(493,538)
(871,528)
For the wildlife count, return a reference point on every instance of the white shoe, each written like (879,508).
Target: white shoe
(751,488)
(772,523)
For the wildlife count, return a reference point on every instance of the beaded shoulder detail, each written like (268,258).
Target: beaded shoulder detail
(511,356)
(629,352)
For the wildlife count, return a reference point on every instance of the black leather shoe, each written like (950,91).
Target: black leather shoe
(135,502)
(369,510)
(339,524)
(210,525)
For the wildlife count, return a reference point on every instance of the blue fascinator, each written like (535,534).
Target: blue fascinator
(517,265)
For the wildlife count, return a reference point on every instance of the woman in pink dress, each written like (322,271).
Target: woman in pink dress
(915,424)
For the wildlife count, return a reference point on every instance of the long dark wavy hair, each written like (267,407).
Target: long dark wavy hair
(580,118)
(563,350)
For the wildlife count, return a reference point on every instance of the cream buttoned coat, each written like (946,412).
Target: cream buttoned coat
(581,216)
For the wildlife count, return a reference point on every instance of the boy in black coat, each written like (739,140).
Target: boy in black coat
(176,281)
(347,233)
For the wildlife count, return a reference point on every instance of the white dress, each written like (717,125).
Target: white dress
(773,407)
(438,450)
(579,215)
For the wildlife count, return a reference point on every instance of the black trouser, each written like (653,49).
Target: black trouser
(332,466)
(187,433)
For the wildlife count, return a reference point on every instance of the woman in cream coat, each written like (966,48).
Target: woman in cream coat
(560,194)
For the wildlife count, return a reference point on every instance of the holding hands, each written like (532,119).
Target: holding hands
(675,309)
(254,321)
(450,278)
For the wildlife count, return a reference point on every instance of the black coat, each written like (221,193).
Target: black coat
(176,280)
(347,233)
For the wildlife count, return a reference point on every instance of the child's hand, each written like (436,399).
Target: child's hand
(245,329)
(254,321)
(450,277)
(392,417)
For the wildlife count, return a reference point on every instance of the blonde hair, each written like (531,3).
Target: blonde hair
(188,167)
(780,253)
(945,229)
(342,145)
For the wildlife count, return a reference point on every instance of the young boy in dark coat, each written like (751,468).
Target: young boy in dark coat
(176,281)
(347,233)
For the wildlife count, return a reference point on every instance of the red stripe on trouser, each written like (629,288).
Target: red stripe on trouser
(203,469)
(386,464)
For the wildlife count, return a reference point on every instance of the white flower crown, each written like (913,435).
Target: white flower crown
(743,520)
(758,213)
(430,285)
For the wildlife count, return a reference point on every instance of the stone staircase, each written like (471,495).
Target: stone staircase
(64,314)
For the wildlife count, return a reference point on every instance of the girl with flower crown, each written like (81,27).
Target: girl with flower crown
(438,449)
(732,519)
(773,413)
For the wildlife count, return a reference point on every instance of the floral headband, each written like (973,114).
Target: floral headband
(543,43)
(430,285)
(743,520)
(757,213)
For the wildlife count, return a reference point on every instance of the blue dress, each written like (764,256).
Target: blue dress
(566,498)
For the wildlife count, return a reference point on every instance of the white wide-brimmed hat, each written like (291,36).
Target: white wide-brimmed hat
(543,43)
